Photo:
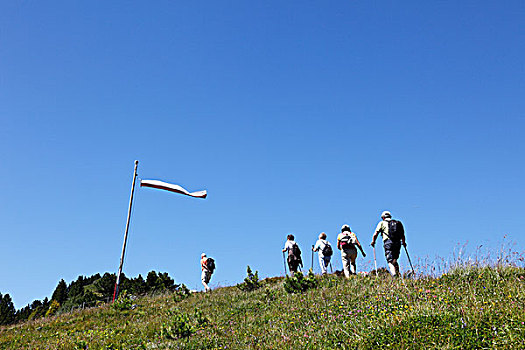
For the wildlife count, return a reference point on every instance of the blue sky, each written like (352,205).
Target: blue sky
(297,117)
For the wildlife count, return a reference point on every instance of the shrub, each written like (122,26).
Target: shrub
(180,325)
(177,326)
(201,321)
(123,302)
(53,308)
(181,293)
(81,344)
(251,282)
(270,295)
(298,283)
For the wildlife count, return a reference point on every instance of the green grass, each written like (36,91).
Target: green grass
(467,308)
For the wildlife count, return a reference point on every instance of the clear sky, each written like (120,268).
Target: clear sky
(297,117)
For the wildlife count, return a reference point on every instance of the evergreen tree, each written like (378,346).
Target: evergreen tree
(36,304)
(7,310)
(151,280)
(38,309)
(165,281)
(159,282)
(60,293)
(84,292)
(138,285)
(76,288)
(23,314)
(105,285)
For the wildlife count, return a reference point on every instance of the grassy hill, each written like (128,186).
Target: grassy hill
(467,308)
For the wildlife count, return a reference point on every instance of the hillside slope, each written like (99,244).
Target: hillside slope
(468,308)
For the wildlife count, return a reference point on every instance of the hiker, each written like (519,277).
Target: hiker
(207,267)
(346,243)
(393,237)
(324,249)
(294,254)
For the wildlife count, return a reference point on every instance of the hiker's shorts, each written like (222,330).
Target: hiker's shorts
(392,250)
(206,276)
(293,263)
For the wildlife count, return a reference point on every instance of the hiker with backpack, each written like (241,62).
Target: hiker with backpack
(347,242)
(207,267)
(294,254)
(324,249)
(393,235)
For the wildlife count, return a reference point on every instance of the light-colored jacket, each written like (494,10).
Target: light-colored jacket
(382,228)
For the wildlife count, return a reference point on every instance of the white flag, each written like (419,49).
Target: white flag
(161,185)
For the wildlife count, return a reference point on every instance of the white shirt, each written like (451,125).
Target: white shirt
(319,246)
(288,246)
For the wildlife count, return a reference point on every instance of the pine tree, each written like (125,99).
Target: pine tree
(60,293)
(138,285)
(151,280)
(76,288)
(7,310)
(23,314)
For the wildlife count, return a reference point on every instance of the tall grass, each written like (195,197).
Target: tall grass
(470,303)
(465,257)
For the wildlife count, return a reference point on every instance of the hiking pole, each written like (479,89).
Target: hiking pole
(312,264)
(331,269)
(375,261)
(284,263)
(408,256)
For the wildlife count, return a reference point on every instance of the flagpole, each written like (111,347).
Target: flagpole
(115,292)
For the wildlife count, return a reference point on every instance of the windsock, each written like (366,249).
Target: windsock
(161,185)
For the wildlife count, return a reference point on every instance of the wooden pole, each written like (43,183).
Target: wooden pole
(115,292)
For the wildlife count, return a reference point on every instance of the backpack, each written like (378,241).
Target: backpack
(395,230)
(346,241)
(296,252)
(327,249)
(210,264)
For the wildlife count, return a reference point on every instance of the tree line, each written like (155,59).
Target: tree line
(84,292)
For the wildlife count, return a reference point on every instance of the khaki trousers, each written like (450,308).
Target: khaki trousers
(348,257)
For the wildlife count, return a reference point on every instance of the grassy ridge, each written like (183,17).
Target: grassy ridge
(467,308)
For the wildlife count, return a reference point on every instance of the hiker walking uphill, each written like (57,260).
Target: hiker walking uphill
(393,238)
(324,249)
(207,267)
(347,242)
(294,254)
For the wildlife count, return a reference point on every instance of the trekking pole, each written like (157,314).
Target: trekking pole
(408,256)
(331,269)
(312,263)
(284,263)
(375,262)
